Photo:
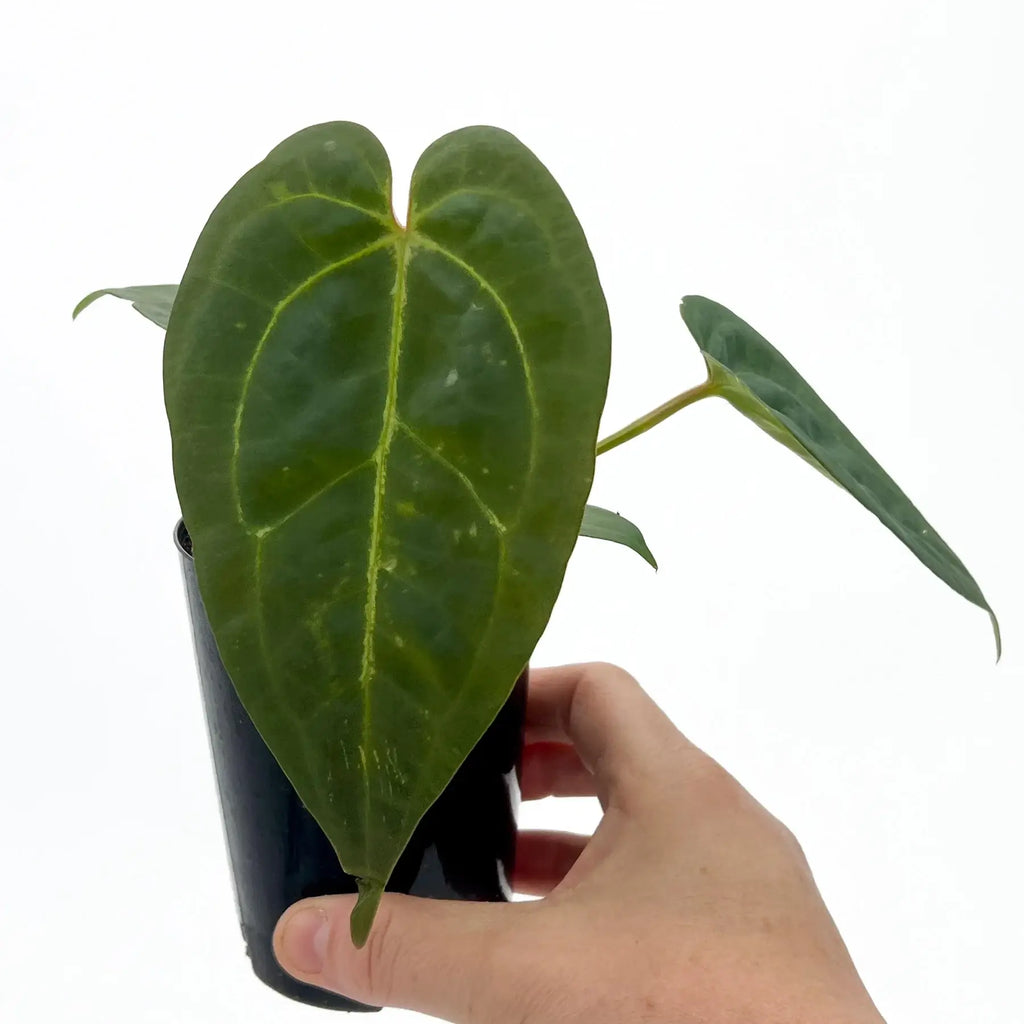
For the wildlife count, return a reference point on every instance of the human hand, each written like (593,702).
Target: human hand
(690,904)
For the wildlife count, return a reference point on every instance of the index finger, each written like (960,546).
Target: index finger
(620,734)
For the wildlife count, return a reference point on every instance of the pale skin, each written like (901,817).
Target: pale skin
(690,904)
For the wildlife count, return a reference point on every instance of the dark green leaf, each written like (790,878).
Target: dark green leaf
(605,525)
(749,372)
(383,443)
(153,301)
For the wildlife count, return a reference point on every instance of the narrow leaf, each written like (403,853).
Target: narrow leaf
(605,525)
(153,301)
(383,443)
(749,372)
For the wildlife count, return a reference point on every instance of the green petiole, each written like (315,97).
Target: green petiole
(655,416)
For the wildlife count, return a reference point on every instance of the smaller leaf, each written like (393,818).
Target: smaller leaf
(153,301)
(757,380)
(605,525)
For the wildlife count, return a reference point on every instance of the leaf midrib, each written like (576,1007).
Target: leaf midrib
(404,242)
(389,421)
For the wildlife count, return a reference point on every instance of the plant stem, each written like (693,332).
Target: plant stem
(655,416)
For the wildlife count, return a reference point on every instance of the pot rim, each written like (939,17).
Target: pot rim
(180,533)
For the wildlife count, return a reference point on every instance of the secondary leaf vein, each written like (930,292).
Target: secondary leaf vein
(489,513)
(486,286)
(381,218)
(262,531)
(298,291)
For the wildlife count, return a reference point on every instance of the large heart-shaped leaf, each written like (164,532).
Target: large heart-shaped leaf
(756,378)
(383,443)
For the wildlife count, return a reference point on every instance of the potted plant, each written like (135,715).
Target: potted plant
(384,437)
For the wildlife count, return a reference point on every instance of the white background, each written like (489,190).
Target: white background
(846,177)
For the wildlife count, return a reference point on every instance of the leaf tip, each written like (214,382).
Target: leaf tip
(687,302)
(998,634)
(83,303)
(365,910)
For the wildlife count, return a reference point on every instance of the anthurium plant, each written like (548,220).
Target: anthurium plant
(384,436)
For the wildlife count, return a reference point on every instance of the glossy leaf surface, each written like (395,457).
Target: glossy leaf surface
(757,379)
(604,525)
(383,443)
(153,301)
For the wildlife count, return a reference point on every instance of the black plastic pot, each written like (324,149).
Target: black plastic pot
(463,848)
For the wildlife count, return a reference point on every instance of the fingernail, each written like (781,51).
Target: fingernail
(304,940)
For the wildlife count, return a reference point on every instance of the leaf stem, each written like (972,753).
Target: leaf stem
(655,416)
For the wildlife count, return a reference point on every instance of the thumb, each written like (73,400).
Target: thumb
(434,956)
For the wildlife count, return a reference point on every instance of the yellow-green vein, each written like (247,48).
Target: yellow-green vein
(301,289)
(381,218)
(485,285)
(487,193)
(489,513)
(262,531)
(387,432)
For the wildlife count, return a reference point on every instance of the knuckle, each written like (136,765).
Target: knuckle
(714,784)
(597,683)
(600,674)
(790,842)
(724,800)
(720,797)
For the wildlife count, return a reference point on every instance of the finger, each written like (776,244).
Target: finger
(543,859)
(434,956)
(622,737)
(554,769)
